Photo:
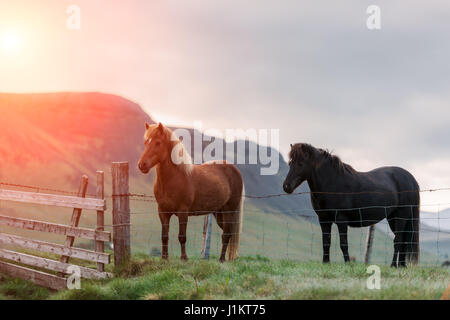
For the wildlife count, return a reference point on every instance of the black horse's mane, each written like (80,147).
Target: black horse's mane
(299,150)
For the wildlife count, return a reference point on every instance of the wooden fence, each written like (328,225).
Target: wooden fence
(58,278)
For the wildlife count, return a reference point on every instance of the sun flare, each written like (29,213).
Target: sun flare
(10,42)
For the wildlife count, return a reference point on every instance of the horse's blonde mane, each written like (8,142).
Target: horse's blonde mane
(185,165)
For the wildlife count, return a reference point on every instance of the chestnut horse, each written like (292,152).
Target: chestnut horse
(184,189)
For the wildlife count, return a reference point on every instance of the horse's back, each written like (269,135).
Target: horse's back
(400,182)
(221,169)
(216,184)
(384,187)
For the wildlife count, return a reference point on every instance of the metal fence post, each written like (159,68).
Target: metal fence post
(206,244)
(369,242)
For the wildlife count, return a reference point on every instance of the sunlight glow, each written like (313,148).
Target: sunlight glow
(169,120)
(10,42)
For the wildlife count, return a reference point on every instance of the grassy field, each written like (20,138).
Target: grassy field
(280,260)
(246,278)
(266,233)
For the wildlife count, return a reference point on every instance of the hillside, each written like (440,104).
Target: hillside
(50,140)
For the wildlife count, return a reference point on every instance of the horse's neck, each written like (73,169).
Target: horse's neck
(322,177)
(169,176)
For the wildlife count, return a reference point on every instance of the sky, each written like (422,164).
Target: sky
(311,69)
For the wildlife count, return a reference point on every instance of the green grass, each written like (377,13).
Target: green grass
(245,278)
(281,260)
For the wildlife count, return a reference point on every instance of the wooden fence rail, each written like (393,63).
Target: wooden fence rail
(61,229)
(66,250)
(49,264)
(53,200)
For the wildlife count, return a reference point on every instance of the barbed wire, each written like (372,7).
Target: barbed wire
(148,196)
(141,195)
(145,226)
(204,212)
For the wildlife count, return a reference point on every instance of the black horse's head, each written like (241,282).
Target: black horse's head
(301,164)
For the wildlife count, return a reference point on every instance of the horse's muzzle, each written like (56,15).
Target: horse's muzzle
(143,167)
(287,188)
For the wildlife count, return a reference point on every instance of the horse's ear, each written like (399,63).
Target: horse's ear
(160,126)
(147,126)
(291,145)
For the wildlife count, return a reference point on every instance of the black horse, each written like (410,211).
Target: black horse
(342,195)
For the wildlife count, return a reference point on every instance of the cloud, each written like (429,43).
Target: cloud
(311,69)
(315,71)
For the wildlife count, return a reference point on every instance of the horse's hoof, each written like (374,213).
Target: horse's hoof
(165,257)
(221,260)
(184,258)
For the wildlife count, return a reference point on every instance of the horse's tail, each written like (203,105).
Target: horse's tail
(236,229)
(414,245)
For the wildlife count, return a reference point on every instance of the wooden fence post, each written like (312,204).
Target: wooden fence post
(121,212)
(100,245)
(369,242)
(206,244)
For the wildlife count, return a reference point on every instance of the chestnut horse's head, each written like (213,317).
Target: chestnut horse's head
(157,146)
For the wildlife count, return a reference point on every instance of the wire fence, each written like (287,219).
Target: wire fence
(293,234)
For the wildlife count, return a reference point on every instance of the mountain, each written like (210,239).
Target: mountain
(50,140)
(437,220)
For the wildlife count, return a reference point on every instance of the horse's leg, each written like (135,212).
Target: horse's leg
(182,221)
(165,223)
(393,226)
(226,235)
(326,239)
(342,227)
(402,242)
(226,225)
(219,219)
